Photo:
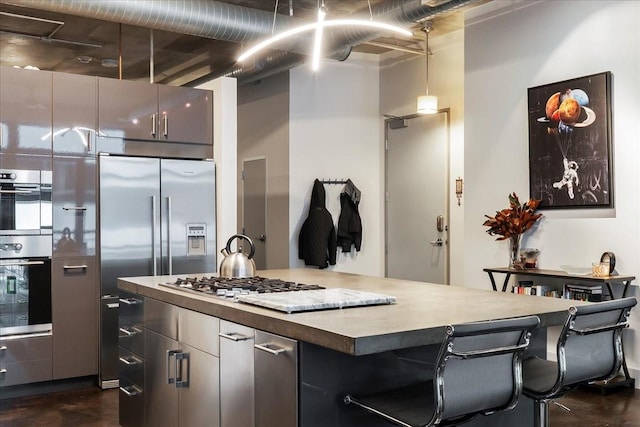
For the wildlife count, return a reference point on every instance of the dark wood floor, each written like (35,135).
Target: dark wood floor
(93,407)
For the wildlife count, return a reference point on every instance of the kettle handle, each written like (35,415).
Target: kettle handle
(241,236)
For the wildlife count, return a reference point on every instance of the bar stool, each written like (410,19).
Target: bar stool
(478,371)
(589,349)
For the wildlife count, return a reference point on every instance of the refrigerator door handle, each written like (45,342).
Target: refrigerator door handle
(169,242)
(154,225)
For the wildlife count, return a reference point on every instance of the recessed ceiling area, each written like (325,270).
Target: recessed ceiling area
(84,45)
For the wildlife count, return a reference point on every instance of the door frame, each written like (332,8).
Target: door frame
(447,186)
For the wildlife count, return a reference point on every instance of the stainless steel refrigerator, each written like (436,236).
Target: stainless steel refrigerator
(156,216)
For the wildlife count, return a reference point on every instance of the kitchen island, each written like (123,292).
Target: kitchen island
(361,348)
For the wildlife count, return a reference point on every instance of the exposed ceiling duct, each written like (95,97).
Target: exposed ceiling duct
(224,21)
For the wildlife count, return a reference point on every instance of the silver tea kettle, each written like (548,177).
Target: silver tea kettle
(237,264)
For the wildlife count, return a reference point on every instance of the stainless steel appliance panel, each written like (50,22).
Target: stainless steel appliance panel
(108,377)
(161,401)
(276,385)
(25,201)
(199,392)
(25,296)
(129,189)
(74,206)
(188,216)
(236,375)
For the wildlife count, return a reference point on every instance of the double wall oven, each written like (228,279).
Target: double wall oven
(25,251)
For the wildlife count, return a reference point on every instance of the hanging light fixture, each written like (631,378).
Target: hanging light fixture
(427,104)
(318,27)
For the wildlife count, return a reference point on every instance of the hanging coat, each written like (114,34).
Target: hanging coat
(349,222)
(317,240)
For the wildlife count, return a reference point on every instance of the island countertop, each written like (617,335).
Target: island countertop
(417,318)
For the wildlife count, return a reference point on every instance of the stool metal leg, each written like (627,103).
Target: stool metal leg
(540,413)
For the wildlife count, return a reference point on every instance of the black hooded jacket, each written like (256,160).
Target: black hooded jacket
(317,241)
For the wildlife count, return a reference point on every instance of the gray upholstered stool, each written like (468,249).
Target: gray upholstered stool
(589,349)
(478,371)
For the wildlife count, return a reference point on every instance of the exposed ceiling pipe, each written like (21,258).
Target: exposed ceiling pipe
(223,21)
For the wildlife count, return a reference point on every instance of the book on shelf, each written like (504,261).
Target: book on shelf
(583,292)
(526,287)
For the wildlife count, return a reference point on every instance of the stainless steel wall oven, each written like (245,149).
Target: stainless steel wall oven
(25,251)
(25,202)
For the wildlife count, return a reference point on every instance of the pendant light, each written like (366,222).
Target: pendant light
(427,104)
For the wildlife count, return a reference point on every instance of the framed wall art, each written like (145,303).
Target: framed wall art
(570,143)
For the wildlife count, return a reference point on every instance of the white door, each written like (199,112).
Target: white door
(417,198)
(254,207)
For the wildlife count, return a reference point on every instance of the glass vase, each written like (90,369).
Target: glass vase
(514,251)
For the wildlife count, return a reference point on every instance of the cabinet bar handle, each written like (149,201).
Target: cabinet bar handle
(234,336)
(133,392)
(165,117)
(132,361)
(181,383)
(74,208)
(266,347)
(3,371)
(113,305)
(75,267)
(170,379)
(153,124)
(130,301)
(16,191)
(3,348)
(19,263)
(130,332)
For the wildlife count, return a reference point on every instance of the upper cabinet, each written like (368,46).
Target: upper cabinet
(149,112)
(75,114)
(25,111)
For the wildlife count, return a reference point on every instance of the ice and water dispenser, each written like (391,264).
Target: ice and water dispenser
(196,239)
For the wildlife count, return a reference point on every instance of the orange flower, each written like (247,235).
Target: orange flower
(514,220)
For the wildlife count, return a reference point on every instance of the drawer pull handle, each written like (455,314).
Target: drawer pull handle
(3,348)
(75,267)
(234,336)
(112,305)
(3,371)
(130,361)
(267,347)
(130,332)
(74,208)
(130,301)
(131,391)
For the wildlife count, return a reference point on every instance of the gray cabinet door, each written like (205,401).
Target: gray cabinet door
(276,381)
(199,397)
(25,111)
(186,115)
(75,114)
(74,206)
(127,109)
(236,375)
(74,296)
(161,400)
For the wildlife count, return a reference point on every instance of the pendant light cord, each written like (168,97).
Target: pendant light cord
(426,51)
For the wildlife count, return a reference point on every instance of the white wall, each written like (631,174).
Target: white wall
(334,134)
(225,138)
(509,47)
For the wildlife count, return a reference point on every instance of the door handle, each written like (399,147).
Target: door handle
(165,118)
(438,242)
(154,225)
(153,125)
(180,382)
(169,243)
(170,353)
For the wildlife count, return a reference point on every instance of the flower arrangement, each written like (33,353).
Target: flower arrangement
(514,220)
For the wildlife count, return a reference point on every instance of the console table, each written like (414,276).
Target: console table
(559,274)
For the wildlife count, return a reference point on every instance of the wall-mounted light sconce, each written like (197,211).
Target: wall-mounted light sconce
(459,185)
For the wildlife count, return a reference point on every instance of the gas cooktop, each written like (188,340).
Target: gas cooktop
(232,288)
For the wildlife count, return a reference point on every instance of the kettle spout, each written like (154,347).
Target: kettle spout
(224,252)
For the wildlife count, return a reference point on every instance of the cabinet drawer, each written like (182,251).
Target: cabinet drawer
(131,367)
(25,349)
(25,372)
(131,404)
(199,330)
(131,337)
(161,317)
(131,309)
